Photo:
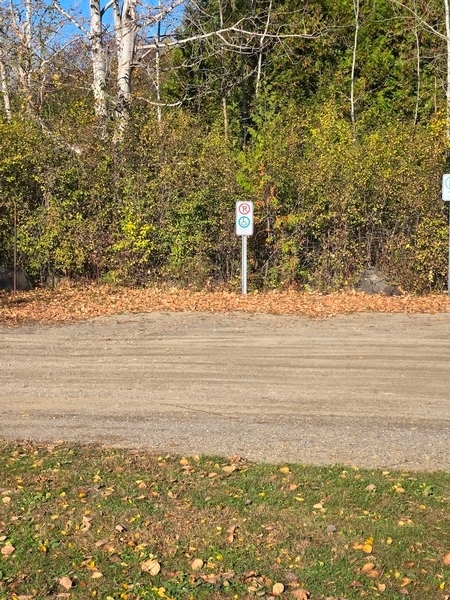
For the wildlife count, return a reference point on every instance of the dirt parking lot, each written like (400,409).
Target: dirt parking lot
(369,390)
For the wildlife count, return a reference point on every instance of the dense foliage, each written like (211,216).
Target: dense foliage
(336,185)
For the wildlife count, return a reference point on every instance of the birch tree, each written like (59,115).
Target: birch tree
(32,38)
(4,87)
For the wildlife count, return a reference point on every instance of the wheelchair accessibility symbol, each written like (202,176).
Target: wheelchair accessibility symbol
(244,222)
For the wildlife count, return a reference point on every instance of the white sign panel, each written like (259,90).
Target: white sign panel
(446,188)
(244,218)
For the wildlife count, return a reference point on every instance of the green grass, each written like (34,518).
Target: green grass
(98,516)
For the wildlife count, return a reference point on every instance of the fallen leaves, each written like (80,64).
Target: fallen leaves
(197,564)
(96,575)
(366,547)
(151,566)
(446,560)
(277,589)
(71,302)
(86,523)
(230,536)
(367,567)
(7,550)
(301,594)
(66,583)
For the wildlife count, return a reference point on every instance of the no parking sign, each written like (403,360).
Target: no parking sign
(244,228)
(244,218)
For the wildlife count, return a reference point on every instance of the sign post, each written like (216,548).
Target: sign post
(446,198)
(244,228)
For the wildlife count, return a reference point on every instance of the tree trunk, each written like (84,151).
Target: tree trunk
(98,60)
(5,91)
(125,30)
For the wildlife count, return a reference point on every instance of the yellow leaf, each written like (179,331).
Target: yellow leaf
(229,468)
(284,470)
(406,581)
(367,548)
(381,587)
(184,462)
(277,589)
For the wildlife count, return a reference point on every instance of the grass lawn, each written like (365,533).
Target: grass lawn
(88,522)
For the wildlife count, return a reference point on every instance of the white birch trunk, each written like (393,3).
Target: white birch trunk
(24,35)
(125,30)
(5,91)
(98,60)
(158,76)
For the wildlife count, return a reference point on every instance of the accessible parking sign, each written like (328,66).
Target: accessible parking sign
(244,218)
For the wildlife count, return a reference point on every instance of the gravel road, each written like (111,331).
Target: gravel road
(371,389)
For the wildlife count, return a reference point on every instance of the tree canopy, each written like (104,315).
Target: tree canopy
(128,131)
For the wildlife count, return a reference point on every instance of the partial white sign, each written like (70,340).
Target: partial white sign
(244,218)
(446,188)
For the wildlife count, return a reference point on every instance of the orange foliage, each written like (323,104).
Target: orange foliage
(71,303)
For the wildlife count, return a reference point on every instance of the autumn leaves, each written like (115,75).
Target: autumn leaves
(69,303)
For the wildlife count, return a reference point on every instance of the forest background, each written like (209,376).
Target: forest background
(129,130)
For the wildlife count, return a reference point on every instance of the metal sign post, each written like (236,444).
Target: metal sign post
(15,251)
(244,265)
(446,198)
(244,228)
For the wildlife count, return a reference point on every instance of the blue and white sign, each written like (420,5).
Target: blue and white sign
(446,188)
(244,218)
